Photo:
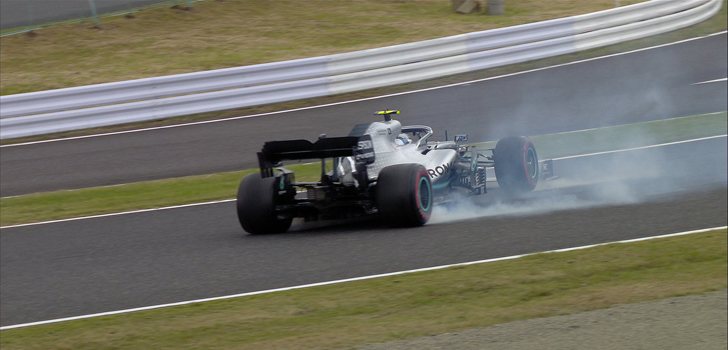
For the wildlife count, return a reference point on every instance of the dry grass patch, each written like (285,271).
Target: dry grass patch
(219,34)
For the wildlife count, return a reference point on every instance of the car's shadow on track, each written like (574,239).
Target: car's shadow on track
(560,194)
(370,224)
(375,224)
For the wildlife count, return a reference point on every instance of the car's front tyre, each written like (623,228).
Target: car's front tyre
(516,164)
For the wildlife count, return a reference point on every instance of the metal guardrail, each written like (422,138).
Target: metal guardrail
(183,94)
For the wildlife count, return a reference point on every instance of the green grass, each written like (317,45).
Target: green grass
(138,195)
(413,305)
(220,34)
(628,135)
(636,135)
(195,189)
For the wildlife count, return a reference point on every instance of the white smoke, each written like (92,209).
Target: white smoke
(600,180)
(554,196)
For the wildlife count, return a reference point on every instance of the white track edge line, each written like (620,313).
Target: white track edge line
(232,199)
(366,98)
(710,81)
(118,213)
(636,123)
(433,268)
(641,147)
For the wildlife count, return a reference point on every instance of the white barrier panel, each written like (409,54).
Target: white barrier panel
(168,96)
(124,91)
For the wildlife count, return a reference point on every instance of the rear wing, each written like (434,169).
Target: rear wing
(274,152)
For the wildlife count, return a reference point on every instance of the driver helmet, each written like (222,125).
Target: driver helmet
(402,139)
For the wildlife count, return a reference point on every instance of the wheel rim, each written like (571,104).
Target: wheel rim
(424,194)
(531,163)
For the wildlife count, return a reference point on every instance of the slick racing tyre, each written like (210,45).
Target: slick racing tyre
(404,195)
(256,206)
(516,164)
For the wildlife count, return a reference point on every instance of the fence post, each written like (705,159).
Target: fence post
(94,15)
(29,12)
(495,7)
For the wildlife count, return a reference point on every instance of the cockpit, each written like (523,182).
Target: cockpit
(417,134)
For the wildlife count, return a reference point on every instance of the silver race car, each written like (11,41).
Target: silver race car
(380,168)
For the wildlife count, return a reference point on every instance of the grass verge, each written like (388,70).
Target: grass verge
(196,189)
(88,19)
(139,195)
(412,305)
(627,135)
(715,24)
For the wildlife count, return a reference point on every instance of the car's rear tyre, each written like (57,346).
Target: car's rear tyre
(404,195)
(516,164)
(256,206)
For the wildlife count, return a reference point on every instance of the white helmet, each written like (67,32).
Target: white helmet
(402,139)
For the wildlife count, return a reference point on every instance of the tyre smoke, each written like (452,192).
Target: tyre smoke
(584,181)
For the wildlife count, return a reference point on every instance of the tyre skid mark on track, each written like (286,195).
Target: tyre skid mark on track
(362,278)
(233,199)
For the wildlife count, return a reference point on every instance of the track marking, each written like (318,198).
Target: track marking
(641,147)
(433,268)
(118,213)
(361,99)
(607,127)
(635,124)
(232,199)
(710,81)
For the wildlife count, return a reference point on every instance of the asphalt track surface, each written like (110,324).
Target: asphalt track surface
(644,85)
(88,266)
(126,261)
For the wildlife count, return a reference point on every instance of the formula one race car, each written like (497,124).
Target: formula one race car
(380,168)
